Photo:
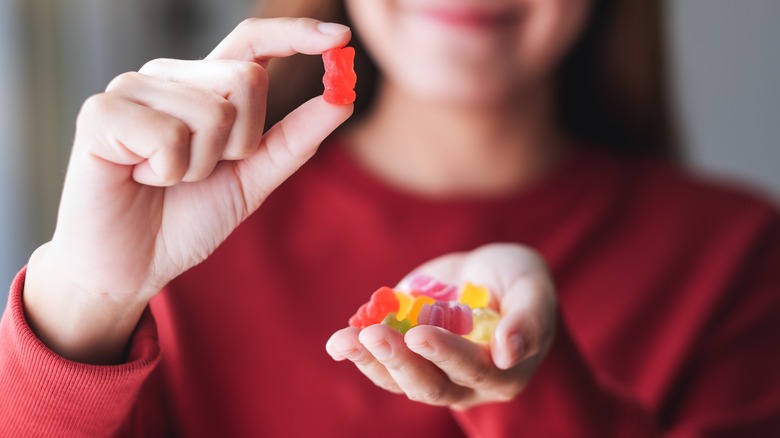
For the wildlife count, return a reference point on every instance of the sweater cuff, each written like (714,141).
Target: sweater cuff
(563,398)
(44,393)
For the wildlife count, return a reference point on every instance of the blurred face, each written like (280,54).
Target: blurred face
(468,51)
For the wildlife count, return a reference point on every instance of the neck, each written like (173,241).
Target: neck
(444,150)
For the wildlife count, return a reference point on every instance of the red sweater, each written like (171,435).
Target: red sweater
(669,299)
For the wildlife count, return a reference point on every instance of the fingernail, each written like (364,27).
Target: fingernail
(425,349)
(331,28)
(381,350)
(515,349)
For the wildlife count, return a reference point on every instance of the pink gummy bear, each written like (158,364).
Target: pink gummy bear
(449,315)
(422,284)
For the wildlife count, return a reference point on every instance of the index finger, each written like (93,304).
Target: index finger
(260,39)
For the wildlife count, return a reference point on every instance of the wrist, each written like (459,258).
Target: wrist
(78,324)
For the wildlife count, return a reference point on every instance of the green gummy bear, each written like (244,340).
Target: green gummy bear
(402,326)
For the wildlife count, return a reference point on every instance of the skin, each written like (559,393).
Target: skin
(465,109)
(127,223)
(434,366)
(162,155)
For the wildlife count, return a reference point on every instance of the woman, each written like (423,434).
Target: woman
(634,300)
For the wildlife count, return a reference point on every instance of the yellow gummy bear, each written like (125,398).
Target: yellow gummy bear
(404,305)
(485,322)
(475,296)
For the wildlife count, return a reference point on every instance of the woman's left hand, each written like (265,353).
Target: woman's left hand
(434,366)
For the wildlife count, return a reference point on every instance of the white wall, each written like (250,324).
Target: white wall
(726,55)
(53,55)
(15,234)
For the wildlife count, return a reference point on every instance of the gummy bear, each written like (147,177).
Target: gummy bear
(404,304)
(448,315)
(402,325)
(417,305)
(382,302)
(340,78)
(485,322)
(474,296)
(422,284)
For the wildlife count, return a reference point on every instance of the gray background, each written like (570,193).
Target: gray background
(725,64)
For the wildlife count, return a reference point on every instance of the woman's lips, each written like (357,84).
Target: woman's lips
(472,19)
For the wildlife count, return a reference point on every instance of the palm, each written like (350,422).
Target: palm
(195,218)
(437,367)
(141,236)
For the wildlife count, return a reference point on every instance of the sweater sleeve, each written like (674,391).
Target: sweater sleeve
(44,394)
(729,387)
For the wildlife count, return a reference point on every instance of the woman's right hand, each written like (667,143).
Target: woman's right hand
(165,165)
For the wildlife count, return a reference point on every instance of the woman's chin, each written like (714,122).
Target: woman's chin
(460,94)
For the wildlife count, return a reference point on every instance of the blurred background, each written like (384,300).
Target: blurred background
(725,64)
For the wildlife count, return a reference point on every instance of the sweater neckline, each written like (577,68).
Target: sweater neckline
(558,188)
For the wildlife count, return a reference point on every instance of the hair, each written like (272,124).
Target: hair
(611,87)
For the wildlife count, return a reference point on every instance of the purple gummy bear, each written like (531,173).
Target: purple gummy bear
(422,284)
(449,315)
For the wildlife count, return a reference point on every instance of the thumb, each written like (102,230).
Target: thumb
(526,296)
(287,146)
(527,327)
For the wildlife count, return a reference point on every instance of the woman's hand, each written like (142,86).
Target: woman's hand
(165,165)
(434,366)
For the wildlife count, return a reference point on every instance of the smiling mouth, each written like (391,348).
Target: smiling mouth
(473,19)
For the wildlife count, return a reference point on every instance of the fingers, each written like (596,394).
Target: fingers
(160,141)
(286,146)
(241,88)
(214,110)
(381,354)
(521,286)
(465,362)
(428,365)
(527,327)
(344,344)
(258,40)
(437,367)
(209,117)
(209,111)
(418,378)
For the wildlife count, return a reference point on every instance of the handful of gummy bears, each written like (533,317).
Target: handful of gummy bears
(427,301)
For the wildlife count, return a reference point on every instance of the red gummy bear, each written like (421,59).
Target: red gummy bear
(382,302)
(340,77)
